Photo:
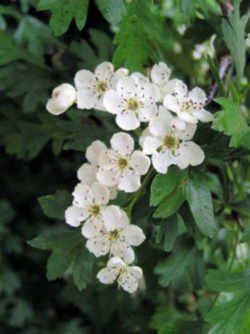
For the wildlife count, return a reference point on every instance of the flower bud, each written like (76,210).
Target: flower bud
(63,97)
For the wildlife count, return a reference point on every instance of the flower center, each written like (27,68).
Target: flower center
(133,104)
(95,210)
(170,141)
(114,235)
(122,163)
(101,87)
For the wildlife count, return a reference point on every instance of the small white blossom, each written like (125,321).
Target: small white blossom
(181,29)
(121,166)
(128,277)
(91,86)
(116,237)
(189,106)
(91,200)
(167,139)
(205,49)
(63,97)
(248,41)
(132,102)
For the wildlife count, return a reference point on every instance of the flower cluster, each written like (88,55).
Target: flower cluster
(171,113)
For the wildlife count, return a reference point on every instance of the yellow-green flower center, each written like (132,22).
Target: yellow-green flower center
(133,104)
(114,235)
(95,210)
(101,87)
(170,141)
(122,163)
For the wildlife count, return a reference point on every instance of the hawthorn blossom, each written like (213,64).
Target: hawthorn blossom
(63,97)
(168,140)
(90,201)
(189,106)
(133,101)
(205,49)
(116,237)
(160,75)
(91,86)
(128,277)
(120,165)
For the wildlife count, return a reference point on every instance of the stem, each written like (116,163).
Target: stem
(137,195)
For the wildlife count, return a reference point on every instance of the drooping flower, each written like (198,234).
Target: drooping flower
(189,106)
(116,237)
(91,86)
(133,101)
(168,140)
(205,49)
(128,277)
(121,166)
(63,97)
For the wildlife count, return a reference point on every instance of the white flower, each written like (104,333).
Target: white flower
(248,41)
(132,102)
(128,277)
(91,86)
(63,97)
(91,200)
(74,216)
(205,49)
(121,166)
(116,237)
(168,141)
(189,106)
(181,29)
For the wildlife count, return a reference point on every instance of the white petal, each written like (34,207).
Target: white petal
(198,96)
(140,162)
(123,221)
(161,125)
(139,78)
(106,276)
(136,272)
(84,79)
(87,173)
(129,182)
(123,251)
(83,196)
(127,121)
(128,282)
(150,144)
(75,215)
(171,103)
(111,216)
(104,71)
(203,115)
(189,153)
(133,235)
(162,160)
(120,73)
(99,246)
(100,193)
(92,227)
(147,113)
(175,87)
(108,159)
(113,102)
(187,117)
(160,73)
(86,99)
(94,151)
(54,108)
(115,262)
(145,93)
(186,133)
(122,143)
(108,177)
(126,87)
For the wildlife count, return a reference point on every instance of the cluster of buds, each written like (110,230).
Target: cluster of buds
(171,113)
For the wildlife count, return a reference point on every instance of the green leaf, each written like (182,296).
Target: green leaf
(139,30)
(167,231)
(231,317)
(83,268)
(187,7)
(59,262)
(164,184)
(219,280)
(7,213)
(112,10)
(54,206)
(63,11)
(200,203)
(170,205)
(231,122)
(246,233)
(175,266)
(8,50)
(234,35)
